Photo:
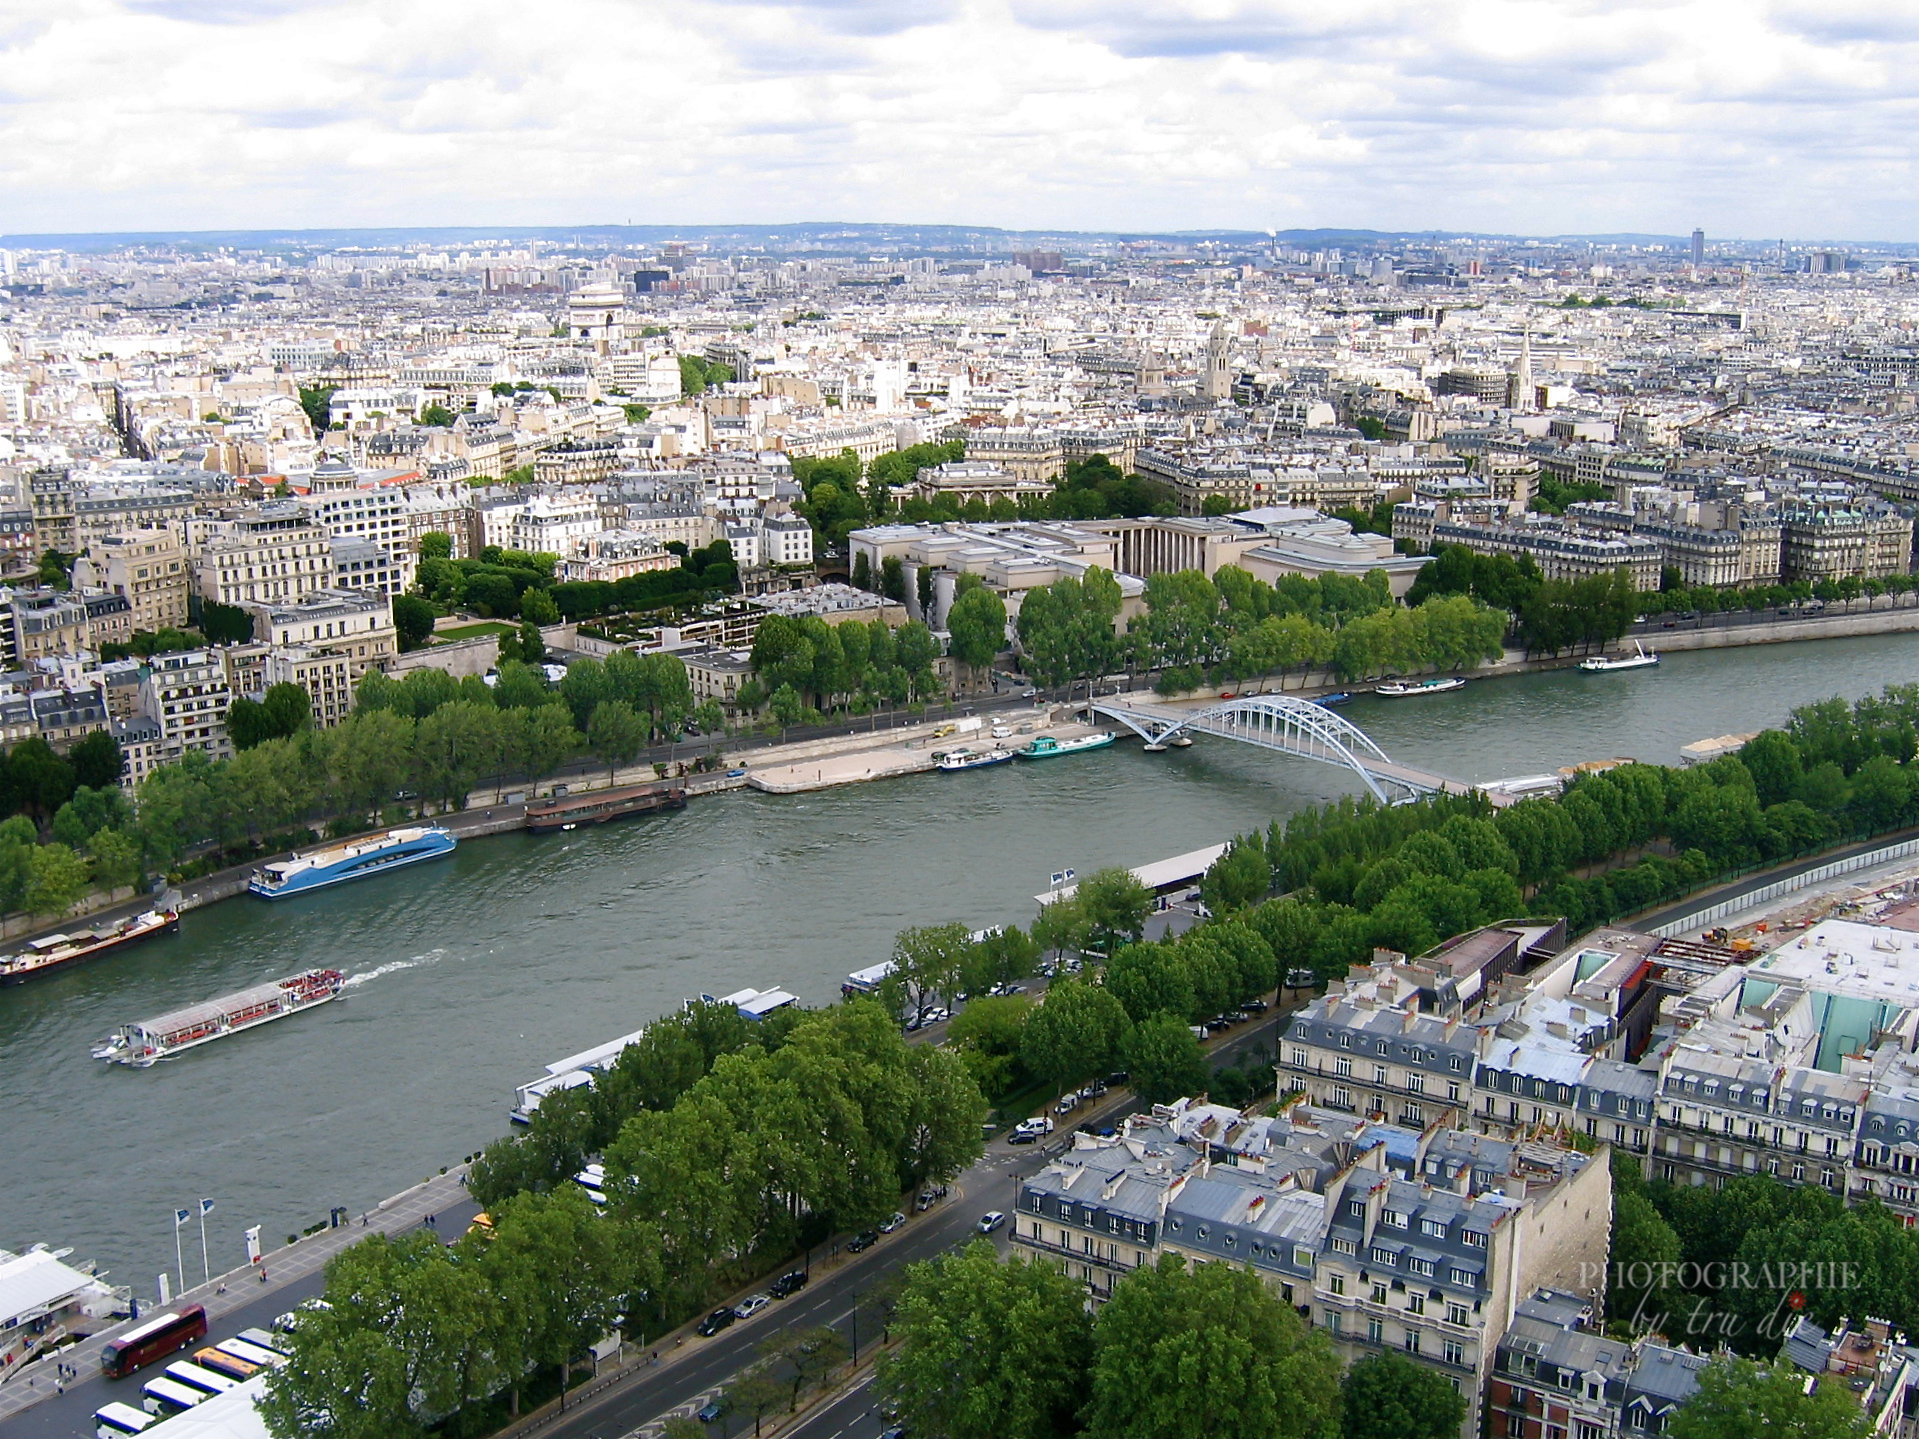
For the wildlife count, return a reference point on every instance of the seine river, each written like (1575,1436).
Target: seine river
(470,974)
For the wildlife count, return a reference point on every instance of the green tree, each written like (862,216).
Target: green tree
(413,618)
(927,964)
(1164,1059)
(977,622)
(1238,878)
(1737,1399)
(57,879)
(96,761)
(616,734)
(225,624)
(1115,905)
(1387,1396)
(1640,1237)
(436,545)
(1077,1033)
(1207,1350)
(988,1350)
(437,415)
(560,1270)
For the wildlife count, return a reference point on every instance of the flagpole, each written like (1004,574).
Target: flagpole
(178,1259)
(206,1267)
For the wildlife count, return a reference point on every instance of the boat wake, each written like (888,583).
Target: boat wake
(432,956)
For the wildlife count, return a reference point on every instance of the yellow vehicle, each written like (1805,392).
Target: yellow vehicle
(944,730)
(482,1225)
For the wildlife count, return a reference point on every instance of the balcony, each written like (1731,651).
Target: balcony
(1061,1251)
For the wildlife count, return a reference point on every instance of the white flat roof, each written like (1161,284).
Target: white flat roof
(229,1415)
(31,1283)
(1839,956)
(1161,874)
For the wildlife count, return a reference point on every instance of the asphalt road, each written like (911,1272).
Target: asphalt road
(699,1369)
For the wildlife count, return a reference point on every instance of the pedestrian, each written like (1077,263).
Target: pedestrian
(60,1385)
(263,1274)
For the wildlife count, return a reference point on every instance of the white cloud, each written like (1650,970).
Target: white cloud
(1787,118)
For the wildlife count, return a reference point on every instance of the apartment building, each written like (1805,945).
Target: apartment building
(540,523)
(975,481)
(363,565)
(785,540)
(1386,1237)
(355,623)
(186,695)
(1865,539)
(1561,552)
(275,553)
(616,555)
(149,568)
(62,622)
(1033,456)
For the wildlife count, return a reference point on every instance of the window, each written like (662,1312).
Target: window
(1454,1352)
(1462,1278)
(1474,1237)
(1379,1294)
(1384,1256)
(1301,1059)
(1303,1257)
(1343,1067)
(1336,1284)
(1412,1341)
(1422,1266)
(1456,1314)
(1345,1246)
(1456,1063)
(1345,1041)
(1415,1303)
(1379,1074)
(1416,1083)
(1393,1217)
(1375,1332)
(1435,1227)
(1332,1321)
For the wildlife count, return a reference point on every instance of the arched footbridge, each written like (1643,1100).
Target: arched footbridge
(1295,727)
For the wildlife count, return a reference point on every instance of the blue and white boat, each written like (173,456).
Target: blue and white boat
(355,859)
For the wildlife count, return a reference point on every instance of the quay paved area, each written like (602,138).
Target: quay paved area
(292,1273)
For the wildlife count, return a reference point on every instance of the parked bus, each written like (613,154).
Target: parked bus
(270,1342)
(205,1380)
(247,1352)
(166,1397)
(155,1339)
(221,1362)
(110,1421)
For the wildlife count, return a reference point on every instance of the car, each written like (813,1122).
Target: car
(893,1431)
(788,1284)
(1038,1124)
(1067,1104)
(751,1305)
(1254,1006)
(1093,1090)
(1301,979)
(1202,911)
(716,1321)
(894,1223)
(865,1239)
(1023,1136)
(712,1411)
(990,1221)
(936,1014)
(1029,694)
(929,1197)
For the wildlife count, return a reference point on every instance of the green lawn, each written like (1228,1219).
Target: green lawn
(468,632)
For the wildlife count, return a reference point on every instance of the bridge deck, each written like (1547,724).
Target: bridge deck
(1152,719)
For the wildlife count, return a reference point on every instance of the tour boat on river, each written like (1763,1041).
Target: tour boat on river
(1047,747)
(53,952)
(355,859)
(1403,689)
(152,1040)
(1637,660)
(958,759)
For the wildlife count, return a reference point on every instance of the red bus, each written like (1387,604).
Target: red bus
(153,1339)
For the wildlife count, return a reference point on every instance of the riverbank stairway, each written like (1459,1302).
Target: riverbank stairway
(1295,727)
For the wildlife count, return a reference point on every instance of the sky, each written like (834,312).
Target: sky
(1758,118)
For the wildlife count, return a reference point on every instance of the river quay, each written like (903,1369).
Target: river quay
(469,974)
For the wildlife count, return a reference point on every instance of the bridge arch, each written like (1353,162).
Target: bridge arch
(1290,725)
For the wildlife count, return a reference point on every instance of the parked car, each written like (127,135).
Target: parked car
(865,1239)
(716,1321)
(1301,979)
(1038,1124)
(990,1221)
(751,1305)
(1093,1090)
(1023,1136)
(929,1197)
(788,1284)
(1067,1105)
(1029,694)
(1254,1006)
(894,1223)
(712,1411)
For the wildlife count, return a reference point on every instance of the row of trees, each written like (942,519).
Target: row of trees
(731,1145)
(1359,876)
(802,664)
(508,584)
(1232,627)
(1008,1350)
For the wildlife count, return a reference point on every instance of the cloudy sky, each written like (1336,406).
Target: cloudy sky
(1761,118)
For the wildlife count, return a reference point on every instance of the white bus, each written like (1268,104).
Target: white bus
(167,1397)
(257,1355)
(112,1420)
(205,1380)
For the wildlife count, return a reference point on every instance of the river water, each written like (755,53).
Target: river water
(471,973)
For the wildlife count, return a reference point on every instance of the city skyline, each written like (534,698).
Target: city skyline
(128,115)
